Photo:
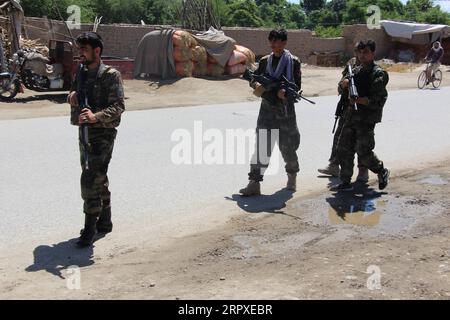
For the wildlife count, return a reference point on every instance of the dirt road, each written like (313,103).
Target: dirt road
(143,94)
(343,246)
(366,244)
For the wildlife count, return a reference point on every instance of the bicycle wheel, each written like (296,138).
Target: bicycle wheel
(437,79)
(422,81)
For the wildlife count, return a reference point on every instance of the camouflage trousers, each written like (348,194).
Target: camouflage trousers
(360,139)
(334,150)
(271,117)
(94,181)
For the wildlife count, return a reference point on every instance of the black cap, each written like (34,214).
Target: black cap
(366,44)
(280,34)
(91,38)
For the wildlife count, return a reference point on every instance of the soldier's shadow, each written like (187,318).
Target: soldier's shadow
(360,199)
(332,181)
(264,203)
(58,257)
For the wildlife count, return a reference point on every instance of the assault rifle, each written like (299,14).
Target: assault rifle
(352,91)
(269,83)
(82,98)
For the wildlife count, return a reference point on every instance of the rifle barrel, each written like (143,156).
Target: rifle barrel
(310,101)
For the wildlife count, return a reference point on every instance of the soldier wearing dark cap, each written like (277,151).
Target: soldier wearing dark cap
(105,104)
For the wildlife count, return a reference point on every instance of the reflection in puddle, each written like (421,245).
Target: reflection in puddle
(366,211)
(357,208)
(368,217)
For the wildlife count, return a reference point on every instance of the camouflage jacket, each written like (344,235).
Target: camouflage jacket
(271,96)
(105,97)
(371,84)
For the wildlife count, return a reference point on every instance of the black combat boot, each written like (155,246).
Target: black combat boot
(383,178)
(88,233)
(104,223)
(344,186)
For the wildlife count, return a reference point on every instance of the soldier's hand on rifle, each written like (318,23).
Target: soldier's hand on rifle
(345,83)
(87,116)
(72,99)
(360,101)
(281,94)
(259,89)
(254,84)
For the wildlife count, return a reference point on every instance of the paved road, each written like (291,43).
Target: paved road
(39,170)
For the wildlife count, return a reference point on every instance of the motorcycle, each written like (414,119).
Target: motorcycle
(30,69)
(10,83)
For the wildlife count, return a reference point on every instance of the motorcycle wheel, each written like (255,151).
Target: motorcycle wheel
(8,90)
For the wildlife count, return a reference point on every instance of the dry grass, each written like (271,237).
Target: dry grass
(399,67)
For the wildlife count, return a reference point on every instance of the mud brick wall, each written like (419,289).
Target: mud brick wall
(328,44)
(354,33)
(121,40)
(299,41)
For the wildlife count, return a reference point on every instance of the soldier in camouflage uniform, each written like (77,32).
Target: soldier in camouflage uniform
(333,163)
(357,133)
(105,95)
(276,114)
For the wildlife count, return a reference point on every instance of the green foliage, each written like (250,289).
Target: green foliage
(113,11)
(435,16)
(38,8)
(424,11)
(337,5)
(312,5)
(323,16)
(328,32)
(41,8)
(354,13)
(244,13)
(356,10)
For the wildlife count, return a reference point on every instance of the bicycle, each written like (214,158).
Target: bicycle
(436,78)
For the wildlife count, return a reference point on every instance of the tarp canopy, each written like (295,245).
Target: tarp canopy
(155,53)
(408,29)
(217,44)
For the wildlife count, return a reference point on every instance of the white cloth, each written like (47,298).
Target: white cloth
(408,29)
(285,66)
(438,48)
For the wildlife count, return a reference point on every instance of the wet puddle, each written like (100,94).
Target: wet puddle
(367,215)
(340,216)
(366,210)
(360,207)
(434,179)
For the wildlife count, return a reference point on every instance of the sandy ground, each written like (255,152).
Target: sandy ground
(145,94)
(327,245)
(324,245)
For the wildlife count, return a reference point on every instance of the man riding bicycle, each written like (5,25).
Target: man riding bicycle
(434,57)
